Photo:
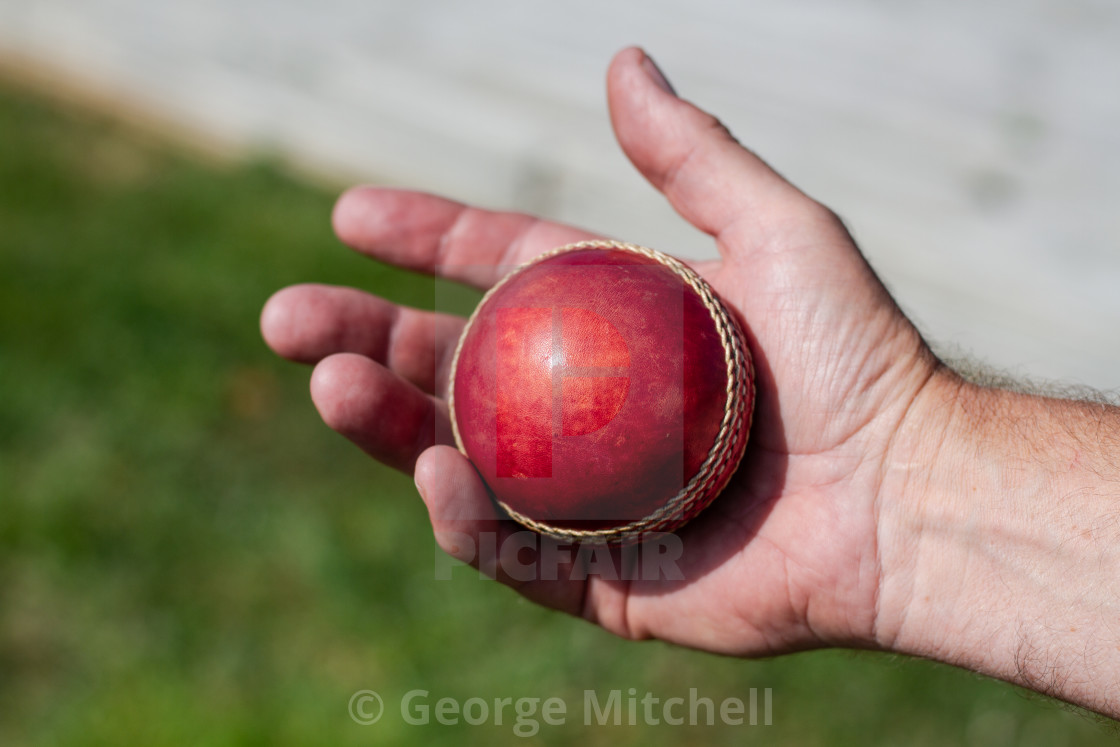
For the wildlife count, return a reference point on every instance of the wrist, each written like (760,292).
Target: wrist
(990,539)
(918,519)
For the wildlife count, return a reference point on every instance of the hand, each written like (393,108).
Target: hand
(789,556)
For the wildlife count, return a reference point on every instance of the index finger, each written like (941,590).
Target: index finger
(434,235)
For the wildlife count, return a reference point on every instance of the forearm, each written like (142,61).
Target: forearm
(999,539)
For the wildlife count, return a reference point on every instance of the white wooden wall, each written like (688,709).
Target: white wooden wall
(974,148)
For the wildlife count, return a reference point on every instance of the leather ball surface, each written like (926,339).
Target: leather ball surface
(602,392)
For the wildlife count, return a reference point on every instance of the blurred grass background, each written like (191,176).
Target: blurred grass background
(189,557)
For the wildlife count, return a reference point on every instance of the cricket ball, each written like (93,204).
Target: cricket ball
(603,392)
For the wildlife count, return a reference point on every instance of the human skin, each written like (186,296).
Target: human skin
(883,503)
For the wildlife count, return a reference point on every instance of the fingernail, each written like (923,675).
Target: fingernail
(655,74)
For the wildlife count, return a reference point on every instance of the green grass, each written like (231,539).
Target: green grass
(189,557)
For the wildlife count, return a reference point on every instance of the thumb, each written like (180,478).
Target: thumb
(714,182)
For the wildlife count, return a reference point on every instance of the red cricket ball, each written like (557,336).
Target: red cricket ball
(603,393)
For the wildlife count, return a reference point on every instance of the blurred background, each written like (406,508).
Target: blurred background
(188,556)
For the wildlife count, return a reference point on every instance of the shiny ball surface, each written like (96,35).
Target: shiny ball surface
(603,393)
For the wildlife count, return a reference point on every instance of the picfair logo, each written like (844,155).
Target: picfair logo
(581,377)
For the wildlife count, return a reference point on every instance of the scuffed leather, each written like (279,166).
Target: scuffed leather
(590,388)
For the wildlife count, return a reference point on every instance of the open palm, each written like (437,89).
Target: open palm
(787,557)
